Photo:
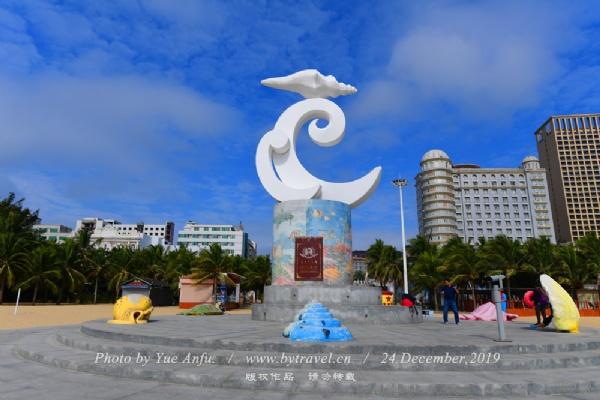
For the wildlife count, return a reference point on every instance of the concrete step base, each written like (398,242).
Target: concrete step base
(400,384)
(409,359)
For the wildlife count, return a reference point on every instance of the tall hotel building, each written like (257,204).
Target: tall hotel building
(471,202)
(569,149)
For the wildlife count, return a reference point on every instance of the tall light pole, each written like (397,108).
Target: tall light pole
(400,183)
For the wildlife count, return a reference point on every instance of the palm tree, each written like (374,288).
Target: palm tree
(15,218)
(539,255)
(418,246)
(212,264)
(239,264)
(257,272)
(590,249)
(178,263)
(575,271)
(506,254)
(464,263)
(183,259)
(384,263)
(98,263)
(391,266)
(69,266)
(40,271)
(16,238)
(170,273)
(374,255)
(121,264)
(83,238)
(358,276)
(12,256)
(380,261)
(425,273)
(154,260)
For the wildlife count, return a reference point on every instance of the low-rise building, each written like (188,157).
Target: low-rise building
(252,248)
(111,233)
(53,232)
(232,239)
(359,261)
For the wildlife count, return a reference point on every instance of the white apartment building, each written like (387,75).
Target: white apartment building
(232,239)
(471,202)
(53,232)
(164,231)
(111,233)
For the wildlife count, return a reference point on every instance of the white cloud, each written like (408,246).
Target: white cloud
(481,58)
(102,122)
(119,139)
(47,194)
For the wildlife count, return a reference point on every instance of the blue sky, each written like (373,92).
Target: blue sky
(152,110)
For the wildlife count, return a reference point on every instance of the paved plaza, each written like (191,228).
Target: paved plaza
(237,358)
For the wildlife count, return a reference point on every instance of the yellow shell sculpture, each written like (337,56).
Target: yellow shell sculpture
(132,309)
(565,312)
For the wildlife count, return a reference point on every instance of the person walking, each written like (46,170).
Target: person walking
(450,293)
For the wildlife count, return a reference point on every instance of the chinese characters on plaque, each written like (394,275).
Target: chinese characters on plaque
(308,263)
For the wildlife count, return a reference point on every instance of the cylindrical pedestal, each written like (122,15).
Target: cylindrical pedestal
(328,219)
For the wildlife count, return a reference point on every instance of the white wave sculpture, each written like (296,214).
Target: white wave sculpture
(565,313)
(289,180)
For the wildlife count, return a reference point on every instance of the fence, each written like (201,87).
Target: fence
(588,302)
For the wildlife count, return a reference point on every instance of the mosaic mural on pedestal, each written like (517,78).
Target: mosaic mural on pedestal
(325,218)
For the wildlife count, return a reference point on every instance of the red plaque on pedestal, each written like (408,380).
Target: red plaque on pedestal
(308,263)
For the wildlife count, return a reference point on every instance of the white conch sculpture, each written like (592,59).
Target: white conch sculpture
(277,148)
(311,84)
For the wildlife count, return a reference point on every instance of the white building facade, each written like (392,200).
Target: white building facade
(232,239)
(471,202)
(110,233)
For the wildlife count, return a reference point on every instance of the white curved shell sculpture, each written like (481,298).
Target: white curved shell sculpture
(277,164)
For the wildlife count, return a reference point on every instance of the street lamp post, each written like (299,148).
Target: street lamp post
(400,183)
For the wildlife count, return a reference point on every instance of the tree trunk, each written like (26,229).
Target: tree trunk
(2,289)
(435,300)
(473,294)
(95,290)
(215,290)
(35,290)
(60,295)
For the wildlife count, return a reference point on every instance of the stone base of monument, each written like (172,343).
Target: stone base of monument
(355,304)
(298,222)
(232,357)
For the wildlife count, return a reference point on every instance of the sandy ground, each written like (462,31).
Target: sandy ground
(52,315)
